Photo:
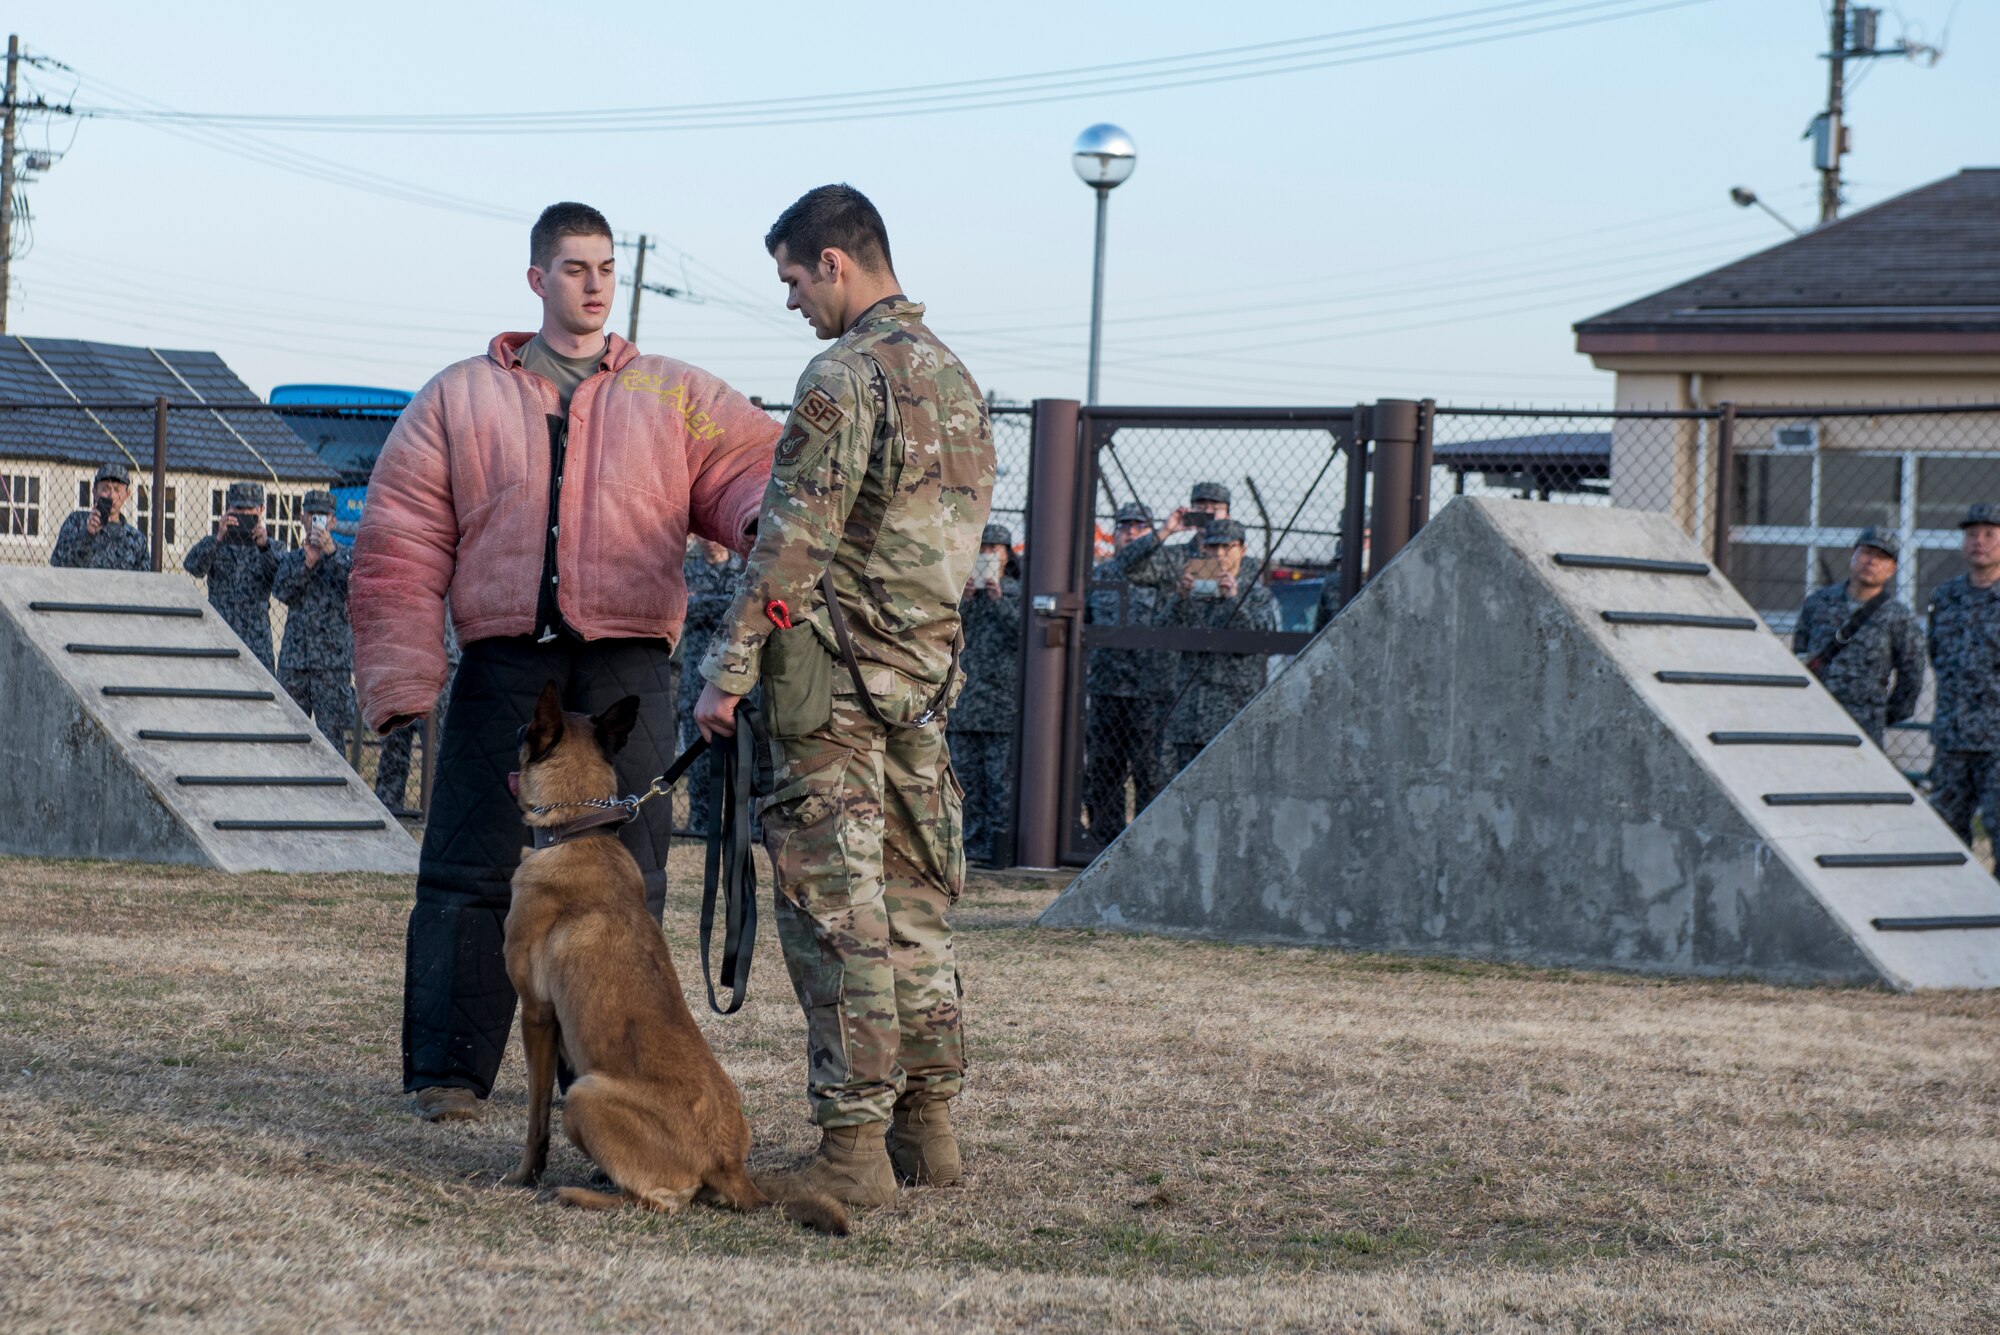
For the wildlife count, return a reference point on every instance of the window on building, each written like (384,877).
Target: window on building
(84,488)
(284,518)
(1797,516)
(145,512)
(20,505)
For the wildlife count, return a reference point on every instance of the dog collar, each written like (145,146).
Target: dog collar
(548,836)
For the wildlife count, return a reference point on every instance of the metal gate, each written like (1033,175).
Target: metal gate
(1118,686)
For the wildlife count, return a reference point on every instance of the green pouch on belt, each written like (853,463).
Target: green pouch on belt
(798,681)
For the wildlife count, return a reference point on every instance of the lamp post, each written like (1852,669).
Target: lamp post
(1103,157)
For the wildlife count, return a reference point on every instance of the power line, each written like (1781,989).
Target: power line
(1053,86)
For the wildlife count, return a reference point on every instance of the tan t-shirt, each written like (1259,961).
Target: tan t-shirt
(565,373)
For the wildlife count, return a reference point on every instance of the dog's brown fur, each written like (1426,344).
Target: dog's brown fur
(650,1103)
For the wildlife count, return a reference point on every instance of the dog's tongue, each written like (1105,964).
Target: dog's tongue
(513,783)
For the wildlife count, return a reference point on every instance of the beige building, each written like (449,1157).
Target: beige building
(63,412)
(1898,304)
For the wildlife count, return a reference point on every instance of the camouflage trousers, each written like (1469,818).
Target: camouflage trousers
(863,828)
(1965,781)
(326,695)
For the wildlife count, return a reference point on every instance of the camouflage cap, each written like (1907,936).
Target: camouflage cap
(112,472)
(1985,512)
(996,533)
(1133,513)
(318,502)
(1221,532)
(246,493)
(1884,540)
(1208,491)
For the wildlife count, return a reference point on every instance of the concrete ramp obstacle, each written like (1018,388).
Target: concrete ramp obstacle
(1551,734)
(135,725)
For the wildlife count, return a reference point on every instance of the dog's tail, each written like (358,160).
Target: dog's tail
(802,1204)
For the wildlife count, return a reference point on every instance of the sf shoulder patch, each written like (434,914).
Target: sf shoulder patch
(819,410)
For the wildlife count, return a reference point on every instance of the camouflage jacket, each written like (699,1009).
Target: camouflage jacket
(316,630)
(116,546)
(1151,562)
(1214,687)
(884,473)
(1965,650)
(1890,647)
(992,661)
(239,579)
(1143,674)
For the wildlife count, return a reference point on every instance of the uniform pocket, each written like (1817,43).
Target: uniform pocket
(798,682)
(951,835)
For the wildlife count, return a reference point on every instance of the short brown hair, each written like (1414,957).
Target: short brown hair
(837,217)
(561,220)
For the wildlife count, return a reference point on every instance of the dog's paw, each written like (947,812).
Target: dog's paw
(522,1178)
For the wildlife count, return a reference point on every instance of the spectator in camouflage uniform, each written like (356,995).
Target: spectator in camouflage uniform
(1859,662)
(1150,560)
(1213,688)
(709,570)
(1128,689)
(1965,651)
(982,722)
(879,491)
(316,664)
(99,538)
(240,562)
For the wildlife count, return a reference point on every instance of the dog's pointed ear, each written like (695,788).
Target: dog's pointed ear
(546,729)
(614,725)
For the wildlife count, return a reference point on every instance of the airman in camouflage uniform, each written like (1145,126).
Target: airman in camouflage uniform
(1888,648)
(316,664)
(1965,651)
(1213,688)
(1128,689)
(240,562)
(90,541)
(710,570)
(982,722)
(882,477)
(1150,560)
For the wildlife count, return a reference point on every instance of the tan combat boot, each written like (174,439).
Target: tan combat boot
(446,1103)
(921,1144)
(852,1166)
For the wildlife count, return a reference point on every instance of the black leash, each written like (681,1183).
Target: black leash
(731,864)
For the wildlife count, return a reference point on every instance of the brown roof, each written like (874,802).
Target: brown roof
(1917,273)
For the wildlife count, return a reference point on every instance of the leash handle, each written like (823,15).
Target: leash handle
(730,867)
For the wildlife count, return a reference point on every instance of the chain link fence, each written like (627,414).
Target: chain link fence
(1778,494)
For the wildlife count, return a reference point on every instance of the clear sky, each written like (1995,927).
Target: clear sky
(1431,222)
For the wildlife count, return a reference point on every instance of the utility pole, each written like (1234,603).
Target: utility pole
(1849,37)
(1833,133)
(638,287)
(7,180)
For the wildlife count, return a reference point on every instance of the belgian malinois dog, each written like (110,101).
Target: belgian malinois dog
(650,1105)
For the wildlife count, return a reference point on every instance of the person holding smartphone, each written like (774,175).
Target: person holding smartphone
(316,665)
(239,562)
(99,538)
(1214,687)
(980,727)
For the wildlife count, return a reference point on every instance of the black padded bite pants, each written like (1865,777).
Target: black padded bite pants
(458,1005)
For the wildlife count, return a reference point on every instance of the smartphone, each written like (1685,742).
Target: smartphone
(987,568)
(1207,572)
(319,523)
(103,508)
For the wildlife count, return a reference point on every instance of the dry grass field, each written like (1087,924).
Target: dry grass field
(202,1130)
